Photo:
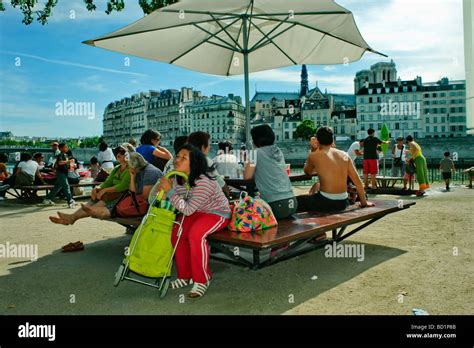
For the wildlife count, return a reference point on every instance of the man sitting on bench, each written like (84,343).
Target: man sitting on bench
(333,167)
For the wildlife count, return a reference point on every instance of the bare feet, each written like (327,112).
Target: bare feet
(88,209)
(58,220)
(68,218)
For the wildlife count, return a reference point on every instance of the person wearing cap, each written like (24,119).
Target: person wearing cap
(398,158)
(51,159)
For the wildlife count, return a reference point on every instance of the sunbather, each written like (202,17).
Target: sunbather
(103,198)
(333,167)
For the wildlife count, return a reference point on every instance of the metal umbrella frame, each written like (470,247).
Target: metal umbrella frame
(244,20)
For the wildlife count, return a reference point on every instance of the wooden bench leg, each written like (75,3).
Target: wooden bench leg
(235,259)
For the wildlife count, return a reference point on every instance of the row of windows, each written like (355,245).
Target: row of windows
(443,110)
(444,102)
(443,129)
(443,94)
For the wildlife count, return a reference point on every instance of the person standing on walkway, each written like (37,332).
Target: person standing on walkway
(398,158)
(62,169)
(420,164)
(446,166)
(371,163)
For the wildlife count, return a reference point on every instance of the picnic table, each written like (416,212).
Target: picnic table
(250,187)
(27,191)
(388,181)
(298,233)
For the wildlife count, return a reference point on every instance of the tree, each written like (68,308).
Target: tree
(305,130)
(26,7)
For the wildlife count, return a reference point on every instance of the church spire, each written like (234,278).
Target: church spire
(304,81)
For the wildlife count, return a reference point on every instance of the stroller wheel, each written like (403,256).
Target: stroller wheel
(118,275)
(164,287)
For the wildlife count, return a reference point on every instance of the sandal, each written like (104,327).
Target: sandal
(180,283)
(76,246)
(198,290)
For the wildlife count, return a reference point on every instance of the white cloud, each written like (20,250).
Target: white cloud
(424,37)
(62,62)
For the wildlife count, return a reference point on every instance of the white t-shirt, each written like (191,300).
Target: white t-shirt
(106,158)
(29,167)
(227,165)
(397,152)
(351,152)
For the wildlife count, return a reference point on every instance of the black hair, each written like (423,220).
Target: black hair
(61,145)
(199,139)
(409,138)
(361,141)
(325,136)
(103,146)
(149,135)
(262,135)
(446,154)
(25,156)
(94,160)
(37,155)
(370,131)
(120,150)
(225,146)
(197,163)
(3,157)
(178,142)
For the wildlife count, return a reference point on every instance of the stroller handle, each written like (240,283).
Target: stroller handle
(169,175)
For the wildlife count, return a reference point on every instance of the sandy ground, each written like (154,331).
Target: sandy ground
(418,258)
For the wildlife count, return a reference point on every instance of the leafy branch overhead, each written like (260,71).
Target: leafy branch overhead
(27,7)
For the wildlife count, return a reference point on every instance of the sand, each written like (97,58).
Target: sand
(418,258)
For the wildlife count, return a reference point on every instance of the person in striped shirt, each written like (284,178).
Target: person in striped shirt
(205,210)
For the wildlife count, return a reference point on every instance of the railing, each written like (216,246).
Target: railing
(434,174)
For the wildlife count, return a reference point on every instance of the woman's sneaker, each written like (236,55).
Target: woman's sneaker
(71,204)
(48,202)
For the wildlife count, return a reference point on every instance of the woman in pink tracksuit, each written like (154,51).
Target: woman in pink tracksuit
(205,209)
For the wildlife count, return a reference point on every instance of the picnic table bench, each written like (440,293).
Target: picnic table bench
(26,191)
(298,232)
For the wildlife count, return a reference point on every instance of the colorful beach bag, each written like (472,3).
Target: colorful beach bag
(251,214)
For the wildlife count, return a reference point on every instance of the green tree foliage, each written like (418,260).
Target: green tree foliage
(26,7)
(305,130)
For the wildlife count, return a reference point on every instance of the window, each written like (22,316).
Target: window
(362,118)
(371,125)
(434,95)
(426,95)
(415,134)
(443,119)
(397,125)
(443,129)
(370,100)
(435,119)
(453,128)
(461,109)
(442,94)
(427,128)
(362,127)
(379,126)
(379,99)
(435,129)
(461,128)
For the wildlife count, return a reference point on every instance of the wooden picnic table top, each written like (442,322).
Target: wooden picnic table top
(49,186)
(307,224)
(244,182)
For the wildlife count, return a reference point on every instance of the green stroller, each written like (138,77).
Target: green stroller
(151,253)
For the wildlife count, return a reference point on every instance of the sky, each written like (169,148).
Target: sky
(41,66)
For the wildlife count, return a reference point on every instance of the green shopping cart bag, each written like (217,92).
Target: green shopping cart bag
(150,248)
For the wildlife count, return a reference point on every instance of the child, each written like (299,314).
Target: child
(95,167)
(446,166)
(409,174)
(205,210)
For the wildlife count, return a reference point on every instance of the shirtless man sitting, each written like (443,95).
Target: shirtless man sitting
(333,167)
